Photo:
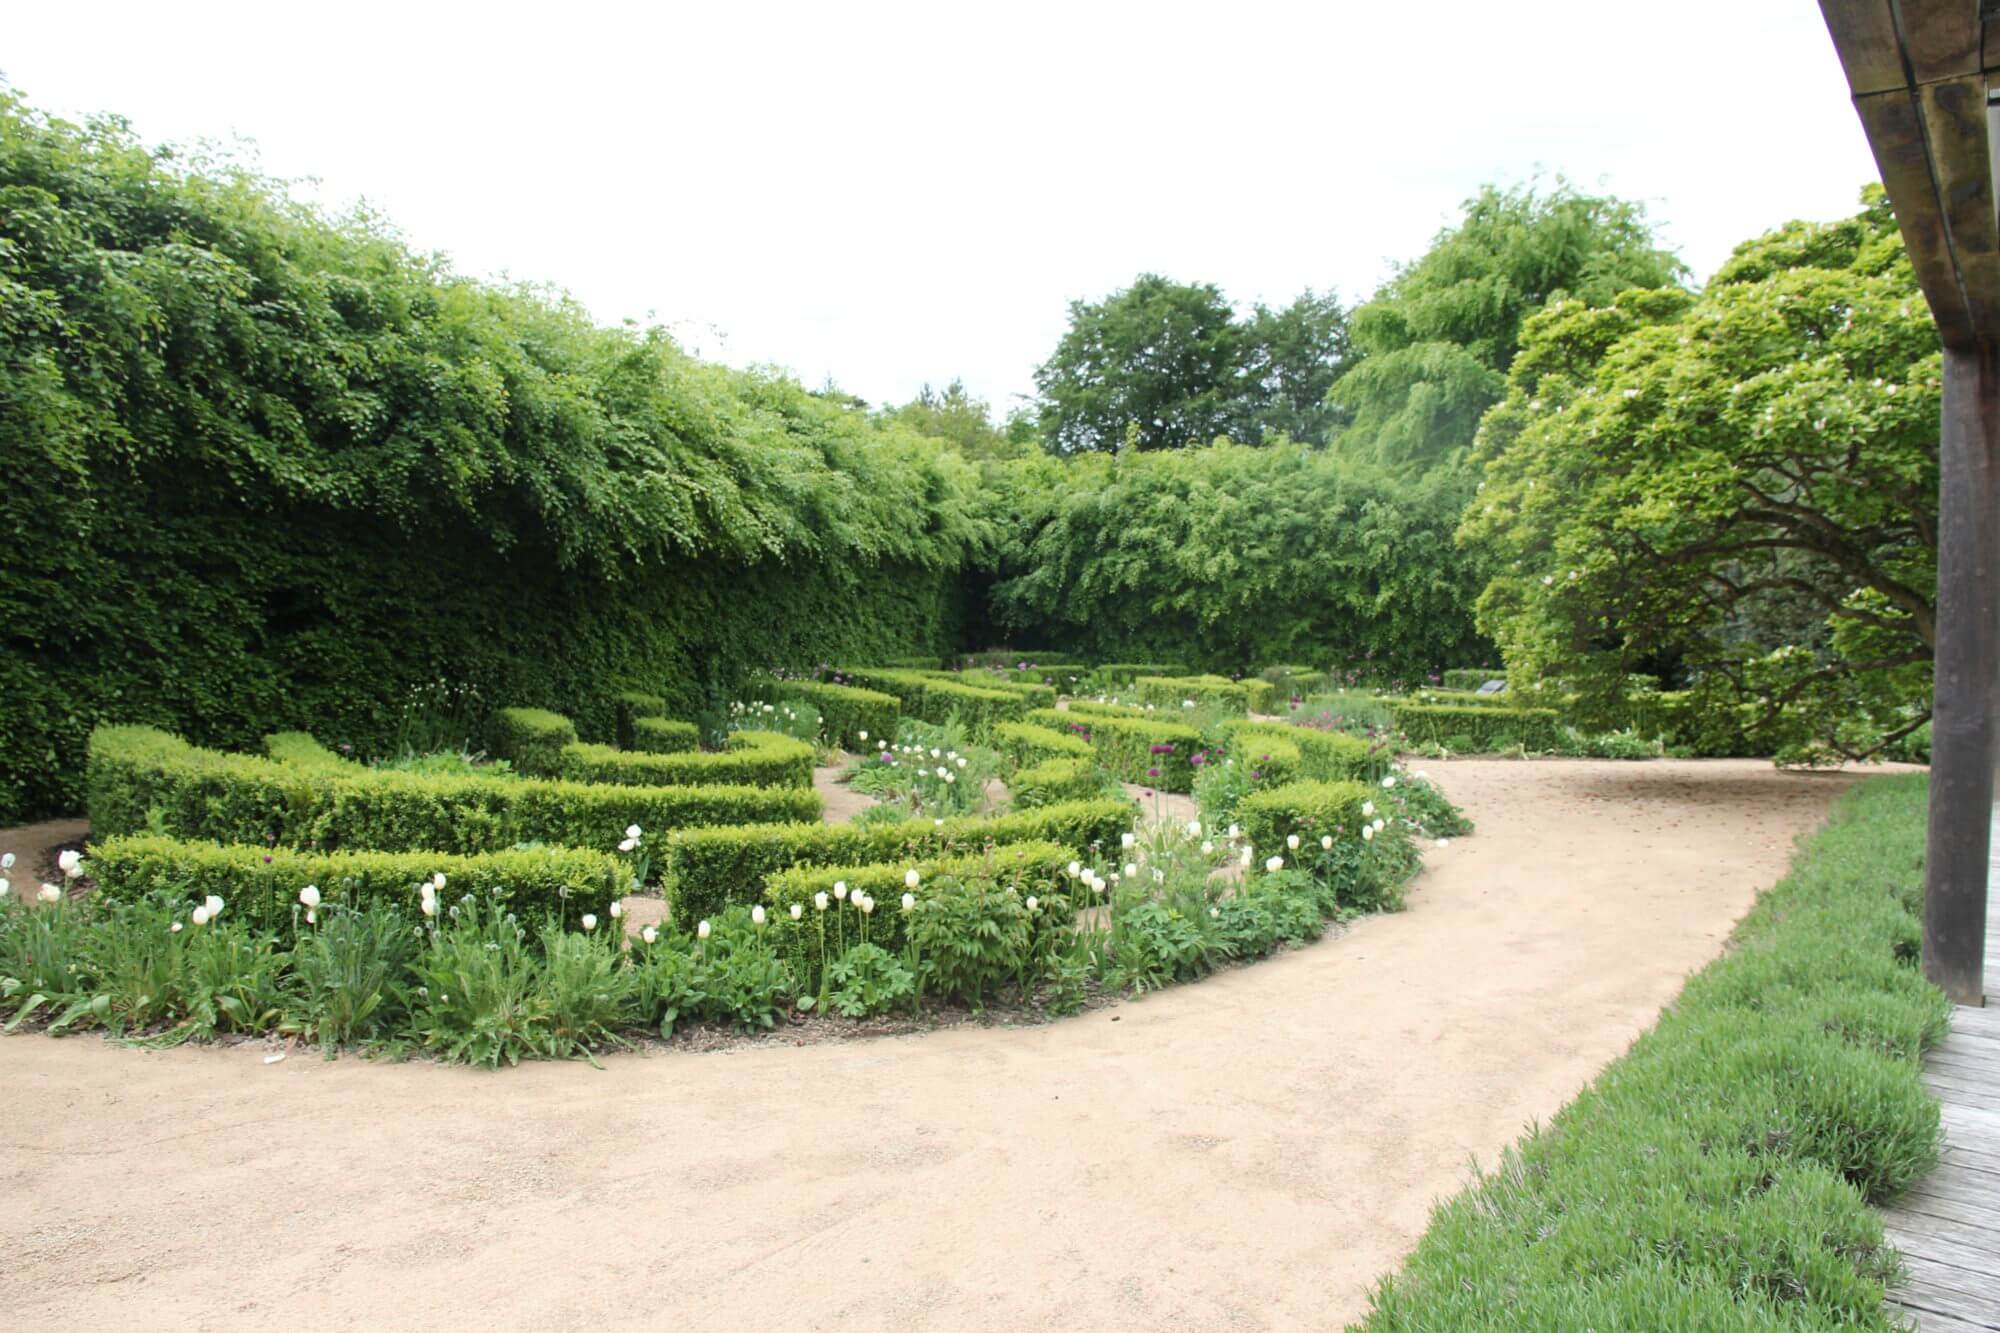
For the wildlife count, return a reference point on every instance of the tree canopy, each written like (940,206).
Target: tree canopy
(1735,490)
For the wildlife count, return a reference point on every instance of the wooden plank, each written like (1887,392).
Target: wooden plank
(1931,1204)
(1947,1242)
(1896,137)
(1955,128)
(1960,1292)
(1864,36)
(1972,1093)
(1977,1022)
(1941,38)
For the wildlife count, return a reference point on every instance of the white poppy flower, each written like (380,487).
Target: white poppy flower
(199,915)
(1275,864)
(617,910)
(701,930)
(757,915)
(309,895)
(649,935)
(819,901)
(911,879)
(909,901)
(632,831)
(589,922)
(798,910)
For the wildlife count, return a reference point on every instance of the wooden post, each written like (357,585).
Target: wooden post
(1967,675)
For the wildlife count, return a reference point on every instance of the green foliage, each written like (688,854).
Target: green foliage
(853,718)
(1470,678)
(629,707)
(1039,694)
(1162,365)
(142,779)
(1228,556)
(261,885)
(349,976)
(1149,750)
(1308,810)
(1719,1174)
(1436,342)
(659,735)
(965,422)
(750,759)
(869,980)
(530,739)
(939,697)
(348,472)
(1323,755)
(1736,490)
(299,747)
(1055,780)
(1478,728)
(1031,743)
(971,936)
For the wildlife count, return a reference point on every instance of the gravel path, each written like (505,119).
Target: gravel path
(1249,1151)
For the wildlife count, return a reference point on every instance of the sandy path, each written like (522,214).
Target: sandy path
(1249,1151)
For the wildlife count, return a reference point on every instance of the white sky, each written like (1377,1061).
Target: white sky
(895,194)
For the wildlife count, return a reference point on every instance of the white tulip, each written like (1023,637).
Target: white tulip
(1034,903)
(618,910)
(941,772)
(5,888)
(1275,864)
(70,863)
(701,931)
(1368,833)
(632,831)
(1075,869)
(628,845)
(1381,824)
(1126,841)
(1235,832)
(1367,809)
(867,905)
(798,910)
(911,879)
(863,735)
(589,922)
(7,861)
(1326,843)
(437,880)
(309,896)
(757,915)
(649,935)
(951,777)
(1291,842)
(1130,870)
(430,906)
(1194,828)
(819,900)
(214,906)
(1388,782)
(312,918)
(174,929)
(882,745)
(909,901)
(935,753)
(199,915)
(961,761)
(840,889)
(1247,854)
(1208,849)
(1444,842)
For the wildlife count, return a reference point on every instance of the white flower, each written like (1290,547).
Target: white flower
(1235,832)
(649,935)
(1291,842)
(309,896)
(951,777)
(1444,842)
(1194,828)
(70,863)
(437,880)
(1381,824)
(819,901)
(1368,833)
(1215,912)
(1126,841)
(1368,809)
(1034,903)
(174,929)
(1326,843)
(1247,854)
(867,904)
(840,889)
(1275,864)
(757,915)
(1130,870)
(1388,782)
(701,931)
(589,922)
(909,901)
(883,745)
(936,753)
(911,879)
(1208,849)
(214,906)
(312,918)
(7,861)
(632,832)
(942,772)
(628,845)
(961,761)
(430,907)
(798,910)
(618,910)
(199,915)
(863,735)
(1075,868)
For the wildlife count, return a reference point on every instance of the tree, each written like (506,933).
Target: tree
(958,418)
(1736,490)
(1162,365)
(1437,341)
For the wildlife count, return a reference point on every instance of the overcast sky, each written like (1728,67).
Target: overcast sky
(895,194)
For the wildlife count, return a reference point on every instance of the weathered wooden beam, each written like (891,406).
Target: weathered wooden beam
(1865,38)
(1955,131)
(1896,135)
(1966,685)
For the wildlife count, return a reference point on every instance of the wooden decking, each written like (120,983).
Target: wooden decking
(1948,1227)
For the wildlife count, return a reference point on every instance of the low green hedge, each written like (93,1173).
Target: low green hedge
(853,718)
(932,697)
(632,705)
(707,869)
(1720,1173)
(1144,749)
(261,884)
(1124,673)
(1478,727)
(753,759)
(1036,868)
(1055,780)
(1093,708)
(664,735)
(302,749)
(1031,743)
(531,739)
(1035,692)
(1250,696)
(1309,809)
(135,774)
(1016,657)
(1470,678)
(1328,756)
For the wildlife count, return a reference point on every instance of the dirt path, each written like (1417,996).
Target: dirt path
(843,803)
(1250,1151)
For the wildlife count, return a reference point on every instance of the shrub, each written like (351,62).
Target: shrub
(1124,673)
(299,747)
(1038,694)
(1479,727)
(1031,743)
(261,885)
(531,739)
(1055,780)
(1719,1173)
(1470,678)
(631,706)
(1328,756)
(348,973)
(1134,748)
(934,698)
(141,779)
(852,717)
(1169,692)
(706,869)
(1309,809)
(660,735)
(752,759)
(970,936)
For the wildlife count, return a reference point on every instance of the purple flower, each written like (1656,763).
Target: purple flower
(1163,749)
(267,860)
(1152,772)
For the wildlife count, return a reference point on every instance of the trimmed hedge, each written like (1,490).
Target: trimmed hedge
(1250,695)
(1055,780)
(1093,708)
(1719,1174)
(1031,743)
(1035,692)
(531,739)
(1470,678)
(1483,727)
(664,735)
(261,885)
(753,759)
(300,748)
(707,869)
(1305,808)
(1036,867)
(1328,756)
(929,697)
(1124,673)
(846,712)
(1145,749)
(631,705)
(1015,657)
(135,773)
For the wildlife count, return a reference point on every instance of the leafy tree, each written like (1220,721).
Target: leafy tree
(1163,365)
(966,422)
(1436,343)
(1736,490)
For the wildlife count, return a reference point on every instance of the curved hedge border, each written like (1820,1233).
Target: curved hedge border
(301,748)
(1037,693)
(1315,808)
(1487,727)
(853,718)
(660,735)
(1031,743)
(931,698)
(1055,780)
(1033,867)
(1124,673)
(135,773)
(1143,748)
(753,759)
(262,884)
(1719,1174)
(1304,752)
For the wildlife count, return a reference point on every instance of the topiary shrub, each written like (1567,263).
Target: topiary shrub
(852,717)
(531,739)
(632,705)
(1055,780)
(1037,867)
(1031,743)
(661,735)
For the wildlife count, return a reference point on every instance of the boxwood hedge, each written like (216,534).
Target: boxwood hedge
(531,739)
(1478,726)
(751,759)
(1036,868)
(1309,809)
(852,718)
(1133,747)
